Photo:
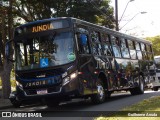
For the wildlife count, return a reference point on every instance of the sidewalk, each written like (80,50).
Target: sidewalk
(4,103)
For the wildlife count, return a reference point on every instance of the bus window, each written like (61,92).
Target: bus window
(139,55)
(96,43)
(132,49)
(107,50)
(144,51)
(105,38)
(142,47)
(106,45)
(95,36)
(150,56)
(115,46)
(96,48)
(138,50)
(83,44)
(145,57)
(148,48)
(137,46)
(124,49)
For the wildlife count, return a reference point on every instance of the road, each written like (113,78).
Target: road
(85,108)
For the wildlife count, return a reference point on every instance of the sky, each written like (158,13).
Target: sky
(137,24)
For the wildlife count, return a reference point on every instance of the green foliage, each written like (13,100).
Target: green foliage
(156,44)
(13,83)
(95,11)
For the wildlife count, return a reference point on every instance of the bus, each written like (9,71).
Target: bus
(59,59)
(155,84)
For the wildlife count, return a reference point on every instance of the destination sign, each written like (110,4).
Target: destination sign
(42,26)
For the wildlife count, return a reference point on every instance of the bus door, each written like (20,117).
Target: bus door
(86,64)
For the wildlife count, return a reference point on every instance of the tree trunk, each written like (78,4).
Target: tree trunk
(5,76)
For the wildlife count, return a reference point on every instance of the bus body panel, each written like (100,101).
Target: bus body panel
(80,57)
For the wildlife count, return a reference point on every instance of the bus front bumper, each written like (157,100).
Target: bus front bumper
(59,92)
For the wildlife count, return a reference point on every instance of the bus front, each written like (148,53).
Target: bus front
(45,64)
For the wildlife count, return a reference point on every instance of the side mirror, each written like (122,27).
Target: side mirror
(9,51)
(83,39)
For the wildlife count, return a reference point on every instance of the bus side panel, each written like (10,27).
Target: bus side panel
(126,72)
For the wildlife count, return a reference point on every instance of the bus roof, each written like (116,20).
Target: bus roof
(102,28)
(110,31)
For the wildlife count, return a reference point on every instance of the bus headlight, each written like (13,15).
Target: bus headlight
(71,77)
(19,84)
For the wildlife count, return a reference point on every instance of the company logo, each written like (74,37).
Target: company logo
(37,83)
(6,114)
(19,114)
(41,76)
(49,81)
(40,28)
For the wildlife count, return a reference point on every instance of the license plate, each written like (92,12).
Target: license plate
(42,91)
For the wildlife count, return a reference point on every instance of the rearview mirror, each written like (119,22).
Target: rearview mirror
(83,39)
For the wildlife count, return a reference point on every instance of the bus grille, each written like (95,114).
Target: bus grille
(50,90)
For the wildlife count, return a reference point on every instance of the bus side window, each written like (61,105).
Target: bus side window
(115,46)
(144,52)
(96,43)
(83,44)
(95,36)
(132,50)
(106,45)
(138,50)
(150,53)
(124,48)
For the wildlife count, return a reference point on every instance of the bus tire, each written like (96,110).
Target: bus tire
(52,103)
(141,85)
(140,88)
(15,103)
(99,97)
(155,88)
(108,94)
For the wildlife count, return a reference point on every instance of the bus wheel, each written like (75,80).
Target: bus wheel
(15,103)
(140,88)
(52,103)
(108,94)
(99,97)
(155,88)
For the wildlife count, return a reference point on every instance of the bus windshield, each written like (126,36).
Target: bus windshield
(44,51)
(157,62)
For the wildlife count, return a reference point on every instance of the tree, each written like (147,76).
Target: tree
(95,11)
(6,31)
(156,44)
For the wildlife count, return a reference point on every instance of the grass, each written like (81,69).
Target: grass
(147,109)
